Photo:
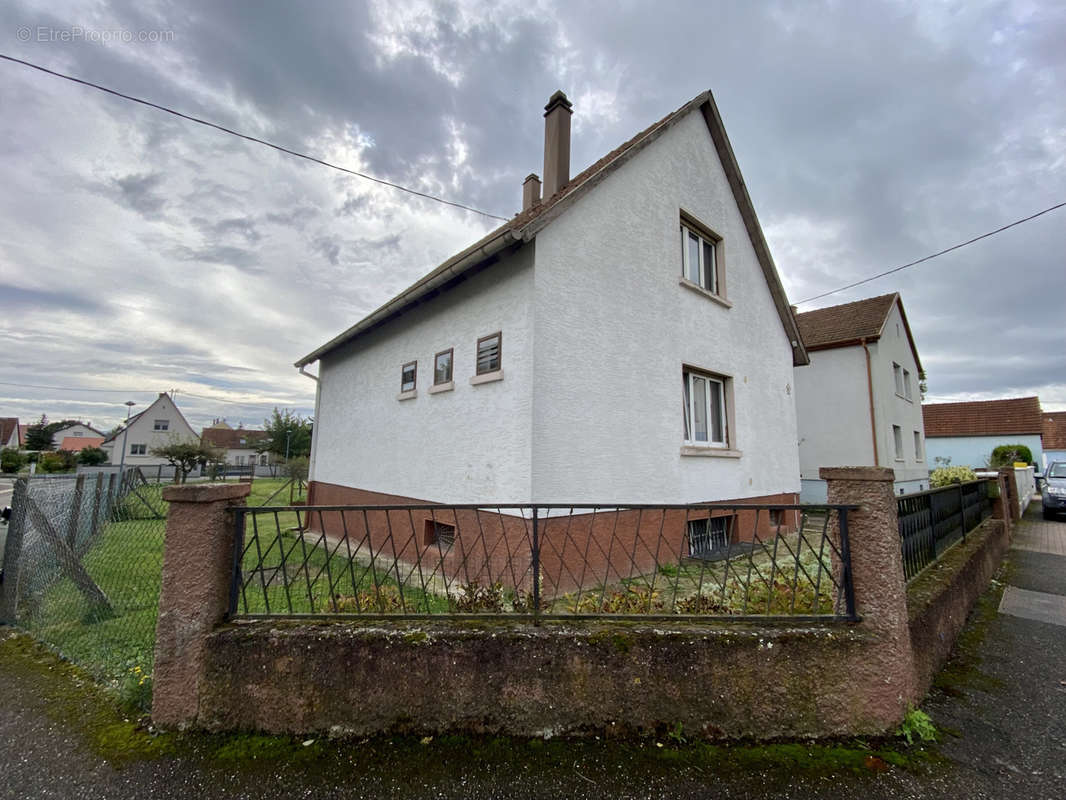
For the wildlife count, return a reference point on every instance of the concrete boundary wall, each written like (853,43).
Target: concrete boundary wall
(717,680)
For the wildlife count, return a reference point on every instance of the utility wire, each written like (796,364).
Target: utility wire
(934,255)
(137,391)
(247,137)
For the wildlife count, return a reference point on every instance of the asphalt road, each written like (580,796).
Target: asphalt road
(1001,709)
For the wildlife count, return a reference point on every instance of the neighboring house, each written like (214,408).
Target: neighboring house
(966,433)
(10,433)
(75,430)
(75,444)
(1053,438)
(238,443)
(858,403)
(625,338)
(158,425)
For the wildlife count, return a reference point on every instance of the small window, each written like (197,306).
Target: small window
(439,533)
(442,367)
(707,536)
(79,433)
(138,449)
(699,257)
(489,353)
(897,436)
(704,410)
(918,446)
(777,517)
(907,384)
(408,375)
(897,374)
(239,460)
(161,425)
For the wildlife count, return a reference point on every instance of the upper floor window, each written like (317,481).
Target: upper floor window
(442,367)
(161,425)
(408,375)
(897,375)
(907,384)
(704,410)
(489,353)
(700,257)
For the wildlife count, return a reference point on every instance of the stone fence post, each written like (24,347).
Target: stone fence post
(194,596)
(887,676)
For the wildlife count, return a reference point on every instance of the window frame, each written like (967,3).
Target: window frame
(161,425)
(142,451)
(432,531)
(897,440)
(919,450)
(897,378)
(414,377)
(499,354)
(907,385)
(451,366)
(691,226)
(709,534)
(688,409)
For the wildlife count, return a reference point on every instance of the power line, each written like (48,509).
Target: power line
(247,137)
(136,391)
(934,255)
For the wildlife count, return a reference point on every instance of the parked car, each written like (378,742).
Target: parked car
(1053,490)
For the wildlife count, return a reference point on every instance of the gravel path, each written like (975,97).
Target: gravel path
(1001,705)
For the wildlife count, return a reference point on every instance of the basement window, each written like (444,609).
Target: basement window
(440,534)
(777,517)
(706,536)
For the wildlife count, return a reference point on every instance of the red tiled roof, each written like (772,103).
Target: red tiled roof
(76,443)
(1018,415)
(8,425)
(1054,430)
(845,324)
(230,439)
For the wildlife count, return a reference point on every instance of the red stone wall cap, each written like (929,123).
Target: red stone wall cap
(856,474)
(206,493)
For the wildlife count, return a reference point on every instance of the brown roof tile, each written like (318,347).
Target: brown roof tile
(1019,415)
(1054,431)
(76,444)
(230,439)
(8,425)
(845,324)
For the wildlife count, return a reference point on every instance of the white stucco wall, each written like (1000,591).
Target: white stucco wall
(614,327)
(471,444)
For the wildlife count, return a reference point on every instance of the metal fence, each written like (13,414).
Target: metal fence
(544,561)
(932,521)
(82,566)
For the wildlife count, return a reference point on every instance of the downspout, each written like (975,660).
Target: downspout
(314,433)
(870,395)
(305,373)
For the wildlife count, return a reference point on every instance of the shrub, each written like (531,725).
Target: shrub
(1006,454)
(917,726)
(11,460)
(945,476)
(58,461)
(91,456)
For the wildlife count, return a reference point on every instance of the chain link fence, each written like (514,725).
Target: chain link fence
(82,566)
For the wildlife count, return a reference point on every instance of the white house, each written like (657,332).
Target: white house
(858,403)
(76,430)
(156,426)
(625,338)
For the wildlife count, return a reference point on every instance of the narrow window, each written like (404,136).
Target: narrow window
(907,384)
(704,410)
(918,446)
(707,536)
(897,374)
(442,367)
(408,375)
(161,425)
(897,436)
(699,258)
(439,533)
(489,353)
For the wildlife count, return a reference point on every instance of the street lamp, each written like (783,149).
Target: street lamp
(122,463)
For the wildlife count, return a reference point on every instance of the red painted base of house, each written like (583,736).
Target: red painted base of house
(577,550)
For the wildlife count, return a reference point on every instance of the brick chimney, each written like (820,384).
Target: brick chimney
(530,192)
(556,144)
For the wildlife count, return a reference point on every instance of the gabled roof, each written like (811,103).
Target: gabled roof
(1054,430)
(74,424)
(848,324)
(8,426)
(525,225)
(1019,415)
(127,423)
(77,443)
(230,439)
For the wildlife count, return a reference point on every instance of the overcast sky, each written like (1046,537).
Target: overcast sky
(141,253)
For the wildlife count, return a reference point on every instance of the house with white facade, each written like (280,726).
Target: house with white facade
(965,434)
(858,403)
(75,430)
(158,425)
(239,444)
(625,337)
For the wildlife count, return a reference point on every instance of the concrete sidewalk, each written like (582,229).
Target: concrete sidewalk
(1000,704)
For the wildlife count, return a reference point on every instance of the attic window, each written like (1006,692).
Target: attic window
(701,256)
(161,425)
(489,350)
